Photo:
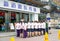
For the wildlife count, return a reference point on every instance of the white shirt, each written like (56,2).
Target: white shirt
(32,25)
(44,25)
(22,25)
(17,26)
(36,26)
(28,25)
(25,26)
(41,25)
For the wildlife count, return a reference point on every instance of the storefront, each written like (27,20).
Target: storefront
(11,12)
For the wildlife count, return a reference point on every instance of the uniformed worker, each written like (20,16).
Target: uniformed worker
(39,32)
(28,30)
(32,29)
(36,29)
(25,30)
(22,29)
(17,29)
(43,27)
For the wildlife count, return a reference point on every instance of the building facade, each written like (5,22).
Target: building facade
(11,12)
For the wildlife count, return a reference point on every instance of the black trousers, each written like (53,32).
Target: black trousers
(18,33)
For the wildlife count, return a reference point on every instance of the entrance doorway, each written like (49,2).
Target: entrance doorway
(20,16)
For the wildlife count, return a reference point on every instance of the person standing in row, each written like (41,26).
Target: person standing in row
(38,26)
(43,27)
(29,29)
(22,29)
(17,29)
(32,29)
(25,30)
(36,29)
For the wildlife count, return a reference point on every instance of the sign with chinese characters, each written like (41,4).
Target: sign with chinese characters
(20,7)
(6,4)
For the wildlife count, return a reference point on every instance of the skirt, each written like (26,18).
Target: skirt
(28,30)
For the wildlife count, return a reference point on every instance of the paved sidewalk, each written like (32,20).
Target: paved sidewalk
(52,37)
(6,34)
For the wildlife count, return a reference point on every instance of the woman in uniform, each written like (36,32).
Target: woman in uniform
(38,25)
(32,29)
(40,29)
(29,30)
(44,26)
(22,29)
(36,29)
(25,30)
(17,29)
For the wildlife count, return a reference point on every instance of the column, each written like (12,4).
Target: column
(7,20)
(30,17)
(7,17)
(20,16)
(17,17)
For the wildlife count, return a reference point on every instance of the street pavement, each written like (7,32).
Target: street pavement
(52,37)
(5,34)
